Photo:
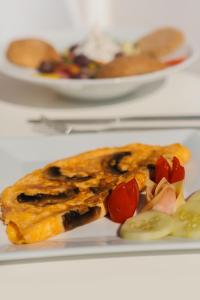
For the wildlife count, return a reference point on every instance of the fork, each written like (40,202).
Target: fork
(68,126)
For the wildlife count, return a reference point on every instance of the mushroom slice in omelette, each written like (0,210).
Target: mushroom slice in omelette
(71,192)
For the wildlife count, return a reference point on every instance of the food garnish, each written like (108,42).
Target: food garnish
(172,174)
(164,196)
(152,225)
(177,172)
(166,212)
(123,201)
(146,226)
(165,193)
(187,218)
(162,169)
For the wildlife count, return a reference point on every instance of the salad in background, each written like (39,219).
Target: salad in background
(99,55)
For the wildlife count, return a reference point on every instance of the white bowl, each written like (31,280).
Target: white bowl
(91,89)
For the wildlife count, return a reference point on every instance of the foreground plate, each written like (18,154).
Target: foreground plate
(93,89)
(21,155)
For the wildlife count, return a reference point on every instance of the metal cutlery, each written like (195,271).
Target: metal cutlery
(68,126)
(114,119)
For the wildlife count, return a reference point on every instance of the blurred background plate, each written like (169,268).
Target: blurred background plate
(92,89)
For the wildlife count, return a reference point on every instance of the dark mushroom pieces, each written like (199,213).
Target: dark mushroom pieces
(152,171)
(74,219)
(97,189)
(150,167)
(54,173)
(115,160)
(48,199)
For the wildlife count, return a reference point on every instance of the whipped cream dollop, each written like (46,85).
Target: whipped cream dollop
(99,46)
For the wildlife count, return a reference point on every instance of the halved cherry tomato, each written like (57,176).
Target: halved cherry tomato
(123,201)
(174,62)
(177,172)
(162,169)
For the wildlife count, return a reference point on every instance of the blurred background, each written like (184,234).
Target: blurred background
(18,17)
(25,16)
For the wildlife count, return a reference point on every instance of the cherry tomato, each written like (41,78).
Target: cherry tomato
(174,62)
(177,172)
(162,169)
(123,201)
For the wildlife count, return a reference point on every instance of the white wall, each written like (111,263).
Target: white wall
(182,13)
(24,16)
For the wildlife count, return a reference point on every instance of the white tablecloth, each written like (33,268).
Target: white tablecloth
(20,101)
(163,276)
(142,277)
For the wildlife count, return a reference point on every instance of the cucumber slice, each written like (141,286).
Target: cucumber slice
(150,225)
(187,218)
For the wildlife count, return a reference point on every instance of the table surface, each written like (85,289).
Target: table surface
(152,276)
(20,102)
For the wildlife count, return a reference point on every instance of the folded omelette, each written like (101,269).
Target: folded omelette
(72,192)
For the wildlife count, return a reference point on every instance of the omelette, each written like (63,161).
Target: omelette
(72,192)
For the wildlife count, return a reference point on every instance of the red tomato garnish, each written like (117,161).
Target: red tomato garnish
(174,62)
(123,201)
(162,169)
(177,172)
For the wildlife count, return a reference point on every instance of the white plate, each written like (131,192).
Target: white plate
(92,89)
(21,155)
